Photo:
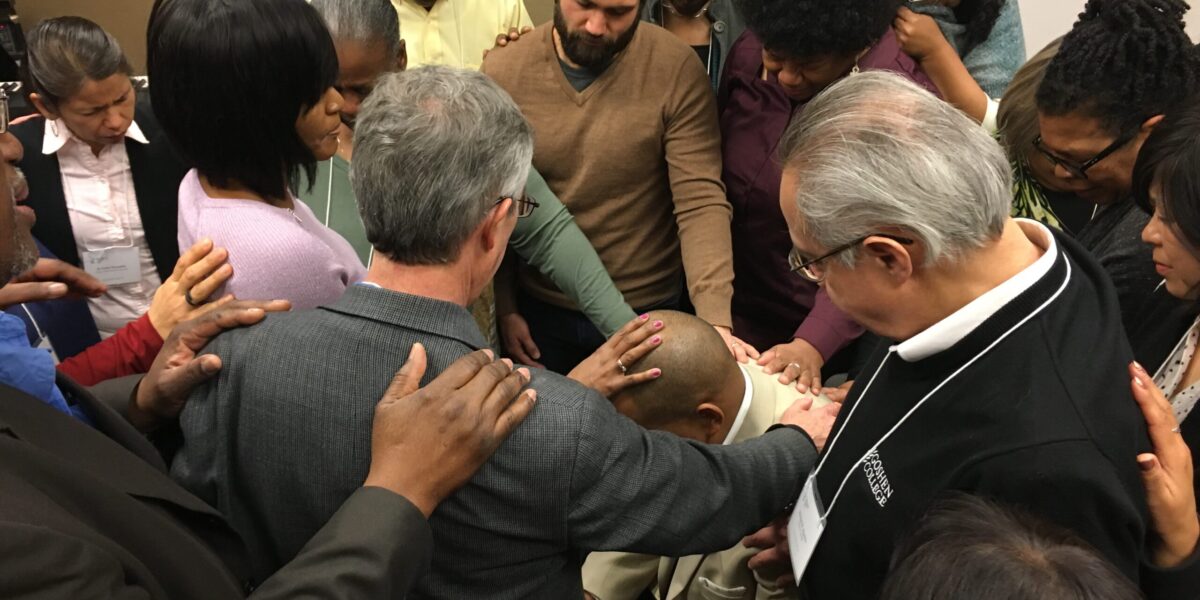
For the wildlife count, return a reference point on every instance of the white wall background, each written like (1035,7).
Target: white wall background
(1045,20)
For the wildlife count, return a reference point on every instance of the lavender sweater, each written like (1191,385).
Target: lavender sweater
(276,253)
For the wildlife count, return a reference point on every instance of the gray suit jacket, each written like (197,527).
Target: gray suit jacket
(282,437)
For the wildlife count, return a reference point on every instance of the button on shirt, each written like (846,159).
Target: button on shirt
(104,214)
(456,32)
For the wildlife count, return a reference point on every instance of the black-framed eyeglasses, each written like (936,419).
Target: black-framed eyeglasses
(1079,171)
(810,269)
(524,204)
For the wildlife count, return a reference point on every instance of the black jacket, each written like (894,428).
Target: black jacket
(1044,420)
(90,513)
(157,171)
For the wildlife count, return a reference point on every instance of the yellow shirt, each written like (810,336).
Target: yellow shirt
(456,32)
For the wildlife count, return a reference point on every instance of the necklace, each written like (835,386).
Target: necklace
(668,5)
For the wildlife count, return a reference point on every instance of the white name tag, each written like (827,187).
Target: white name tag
(113,266)
(805,527)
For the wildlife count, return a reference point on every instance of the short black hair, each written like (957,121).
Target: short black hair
(1171,155)
(813,28)
(968,547)
(229,78)
(1123,62)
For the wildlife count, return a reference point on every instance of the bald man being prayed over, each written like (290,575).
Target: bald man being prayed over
(704,395)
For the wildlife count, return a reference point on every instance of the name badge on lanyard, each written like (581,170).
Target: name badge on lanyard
(805,527)
(113,266)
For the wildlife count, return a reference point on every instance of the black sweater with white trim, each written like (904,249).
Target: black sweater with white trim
(1044,421)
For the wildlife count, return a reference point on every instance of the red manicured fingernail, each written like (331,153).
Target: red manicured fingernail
(656,373)
(644,317)
(658,324)
(656,340)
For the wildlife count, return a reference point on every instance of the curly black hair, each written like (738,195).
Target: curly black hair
(1125,61)
(979,17)
(814,28)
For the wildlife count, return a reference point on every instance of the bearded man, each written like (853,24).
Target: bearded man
(627,136)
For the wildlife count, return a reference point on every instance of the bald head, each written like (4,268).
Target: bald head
(696,369)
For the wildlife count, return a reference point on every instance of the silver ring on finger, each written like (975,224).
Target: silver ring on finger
(622,367)
(796,365)
(187,297)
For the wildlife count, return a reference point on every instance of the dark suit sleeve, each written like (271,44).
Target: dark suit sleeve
(655,493)
(1074,486)
(1175,583)
(376,546)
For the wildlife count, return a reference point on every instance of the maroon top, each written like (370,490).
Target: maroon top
(772,305)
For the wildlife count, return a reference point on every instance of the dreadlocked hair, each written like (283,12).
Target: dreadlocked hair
(979,17)
(1123,62)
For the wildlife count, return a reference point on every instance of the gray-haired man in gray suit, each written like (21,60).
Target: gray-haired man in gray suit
(281,438)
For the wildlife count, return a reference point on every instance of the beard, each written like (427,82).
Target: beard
(25,252)
(582,49)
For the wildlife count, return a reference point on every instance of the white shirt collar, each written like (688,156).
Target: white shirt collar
(58,135)
(747,400)
(952,329)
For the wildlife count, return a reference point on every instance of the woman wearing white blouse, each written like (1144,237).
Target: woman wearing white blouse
(103,184)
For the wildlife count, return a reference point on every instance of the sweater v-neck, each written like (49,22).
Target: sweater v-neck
(581,97)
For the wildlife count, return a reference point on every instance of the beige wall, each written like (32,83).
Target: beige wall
(125,19)
(1045,20)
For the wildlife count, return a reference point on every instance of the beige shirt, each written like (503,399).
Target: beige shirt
(104,214)
(456,32)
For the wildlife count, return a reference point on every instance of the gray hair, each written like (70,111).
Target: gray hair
(65,53)
(434,148)
(364,21)
(876,150)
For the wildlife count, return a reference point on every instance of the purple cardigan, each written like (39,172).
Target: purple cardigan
(771,305)
(276,253)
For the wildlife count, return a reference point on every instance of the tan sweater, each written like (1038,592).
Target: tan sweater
(636,157)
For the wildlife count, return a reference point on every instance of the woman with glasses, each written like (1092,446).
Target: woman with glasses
(245,91)
(1121,68)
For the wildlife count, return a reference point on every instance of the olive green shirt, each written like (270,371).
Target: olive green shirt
(548,240)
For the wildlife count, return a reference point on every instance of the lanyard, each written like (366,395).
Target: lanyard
(956,373)
(329,205)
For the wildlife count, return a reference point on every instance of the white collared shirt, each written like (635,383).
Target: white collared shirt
(747,399)
(952,329)
(104,214)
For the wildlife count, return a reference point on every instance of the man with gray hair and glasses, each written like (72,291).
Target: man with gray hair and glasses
(1004,367)
(281,438)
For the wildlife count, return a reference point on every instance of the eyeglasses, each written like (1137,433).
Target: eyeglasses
(809,268)
(524,204)
(1080,171)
